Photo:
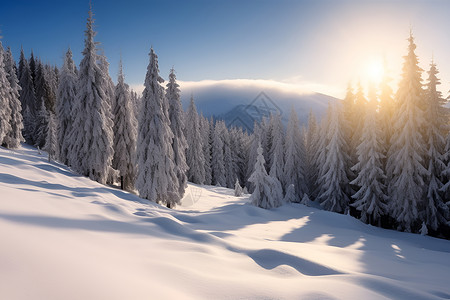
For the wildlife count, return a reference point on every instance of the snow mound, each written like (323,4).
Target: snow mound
(67,237)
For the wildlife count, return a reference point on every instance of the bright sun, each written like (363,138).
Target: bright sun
(375,71)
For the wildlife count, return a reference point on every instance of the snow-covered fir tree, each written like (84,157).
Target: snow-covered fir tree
(446,172)
(370,199)
(217,155)
(33,68)
(293,170)
(229,159)
(91,136)
(136,102)
(51,137)
(44,103)
(21,64)
(359,108)
(386,108)
(239,146)
(277,148)
(109,84)
(28,123)
(311,149)
(255,140)
(125,128)
(320,154)
(27,99)
(205,133)
(238,192)
(157,174)
(348,104)
(42,87)
(110,87)
(291,195)
(14,137)
(177,125)
(51,78)
(194,153)
(267,139)
(333,178)
(405,168)
(41,126)
(5,98)
(267,192)
(356,122)
(54,81)
(434,212)
(65,101)
(349,121)
(423,230)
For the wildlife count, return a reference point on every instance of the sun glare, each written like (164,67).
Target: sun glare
(375,71)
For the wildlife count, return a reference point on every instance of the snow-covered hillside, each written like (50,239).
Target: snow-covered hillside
(64,236)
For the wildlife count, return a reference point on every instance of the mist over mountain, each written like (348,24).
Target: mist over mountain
(240,102)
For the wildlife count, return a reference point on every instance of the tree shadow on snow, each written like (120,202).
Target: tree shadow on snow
(98,224)
(75,191)
(379,251)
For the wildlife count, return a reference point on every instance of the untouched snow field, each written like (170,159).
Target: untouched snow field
(64,236)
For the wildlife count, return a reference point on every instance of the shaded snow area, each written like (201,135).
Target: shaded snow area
(64,236)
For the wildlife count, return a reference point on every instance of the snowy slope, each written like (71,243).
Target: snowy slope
(66,237)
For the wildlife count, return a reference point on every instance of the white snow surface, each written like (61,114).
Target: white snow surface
(64,236)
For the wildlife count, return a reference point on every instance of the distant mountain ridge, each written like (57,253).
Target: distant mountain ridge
(242,105)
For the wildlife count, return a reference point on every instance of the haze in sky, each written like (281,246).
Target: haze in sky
(316,45)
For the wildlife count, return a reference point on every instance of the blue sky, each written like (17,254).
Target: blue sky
(316,44)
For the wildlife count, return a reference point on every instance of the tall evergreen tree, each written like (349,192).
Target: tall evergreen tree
(357,120)
(293,170)
(435,212)
(65,101)
(5,99)
(125,128)
(255,140)
(277,149)
(349,107)
(33,68)
(229,159)
(41,126)
(386,108)
(51,137)
(239,147)
(21,65)
(109,84)
(14,136)
(205,133)
(267,139)
(27,99)
(406,156)
(177,125)
(371,197)
(333,178)
(157,178)
(217,155)
(52,83)
(44,103)
(91,135)
(321,150)
(194,153)
(311,149)
(446,172)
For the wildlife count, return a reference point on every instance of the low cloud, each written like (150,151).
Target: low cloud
(217,97)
